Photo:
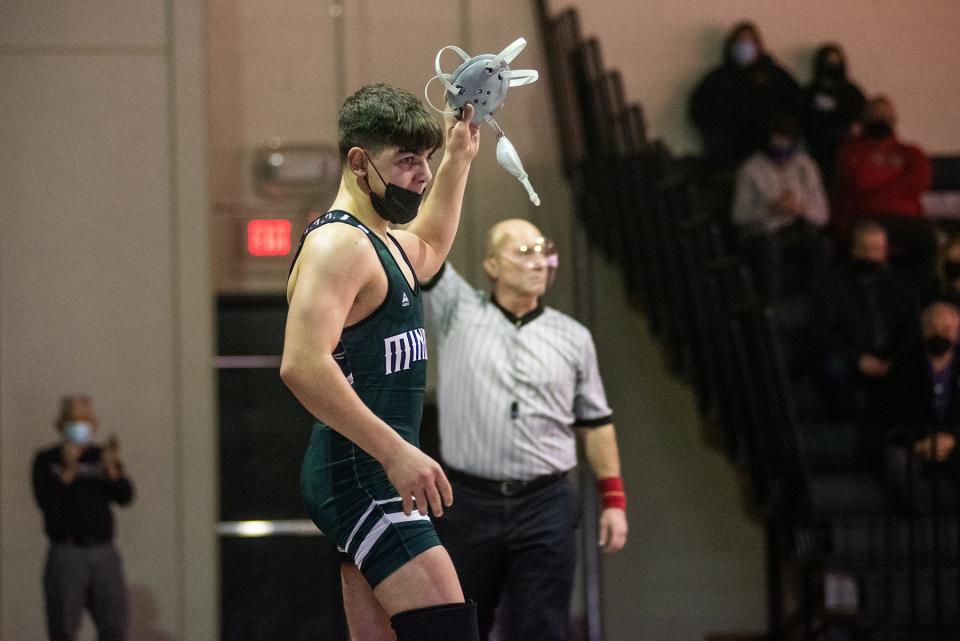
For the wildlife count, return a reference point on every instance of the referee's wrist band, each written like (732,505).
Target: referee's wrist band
(611,492)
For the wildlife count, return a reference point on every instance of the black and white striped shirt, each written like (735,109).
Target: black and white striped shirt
(510,390)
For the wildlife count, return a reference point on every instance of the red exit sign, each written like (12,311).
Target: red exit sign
(268,237)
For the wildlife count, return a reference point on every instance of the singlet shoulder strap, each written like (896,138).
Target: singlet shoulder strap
(333,216)
(406,259)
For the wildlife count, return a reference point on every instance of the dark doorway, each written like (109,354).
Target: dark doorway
(279,575)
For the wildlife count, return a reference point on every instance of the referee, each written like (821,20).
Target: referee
(517,382)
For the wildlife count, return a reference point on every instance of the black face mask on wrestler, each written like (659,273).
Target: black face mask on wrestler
(936,345)
(397,206)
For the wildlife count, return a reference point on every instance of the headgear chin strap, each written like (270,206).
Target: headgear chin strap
(483,80)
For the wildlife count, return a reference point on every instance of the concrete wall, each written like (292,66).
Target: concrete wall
(104,288)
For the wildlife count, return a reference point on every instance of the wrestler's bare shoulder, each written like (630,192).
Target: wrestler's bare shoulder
(334,250)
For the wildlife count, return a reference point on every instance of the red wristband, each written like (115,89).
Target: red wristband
(611,492)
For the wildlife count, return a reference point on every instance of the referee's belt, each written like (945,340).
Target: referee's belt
(502,488)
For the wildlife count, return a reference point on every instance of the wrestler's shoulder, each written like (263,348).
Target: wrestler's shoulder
(339,243)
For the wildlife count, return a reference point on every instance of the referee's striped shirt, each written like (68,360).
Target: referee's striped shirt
(510,390)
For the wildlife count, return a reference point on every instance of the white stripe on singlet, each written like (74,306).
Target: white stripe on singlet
(377,531)
(370,539)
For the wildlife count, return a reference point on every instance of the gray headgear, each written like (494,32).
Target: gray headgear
(483,80)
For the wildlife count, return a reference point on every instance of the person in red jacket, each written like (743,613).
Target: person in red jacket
(882,178)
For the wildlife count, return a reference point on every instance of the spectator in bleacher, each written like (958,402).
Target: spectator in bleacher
(882,178)
(948,271)
(779,207)
(833,108)
(922,404)
(863,316)
(734,102)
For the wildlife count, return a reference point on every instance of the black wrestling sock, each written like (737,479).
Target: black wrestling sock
(448,622)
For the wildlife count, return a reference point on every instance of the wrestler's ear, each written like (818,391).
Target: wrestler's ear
(357,161)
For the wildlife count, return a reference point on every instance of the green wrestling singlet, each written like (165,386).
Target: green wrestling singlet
(384,357)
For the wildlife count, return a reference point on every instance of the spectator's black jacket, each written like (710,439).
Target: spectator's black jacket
(847,99)
(854,314)
(909,395)
(831,106)
(732,108)
(78,512)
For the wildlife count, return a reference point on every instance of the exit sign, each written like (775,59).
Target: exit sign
(268,237)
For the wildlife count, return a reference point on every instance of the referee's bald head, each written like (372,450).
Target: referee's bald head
(507,231)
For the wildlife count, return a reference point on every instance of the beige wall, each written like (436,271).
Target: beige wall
(104,289)
(904,49)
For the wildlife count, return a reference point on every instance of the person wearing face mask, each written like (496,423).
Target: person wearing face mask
(882,178)
(518,383)
(355,356)
(733,104)
(833,108)
(947,287)
(779,207)
(74,484)
(863,315)
(922,411)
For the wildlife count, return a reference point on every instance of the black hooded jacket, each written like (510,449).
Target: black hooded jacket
(831,105)
(732,107)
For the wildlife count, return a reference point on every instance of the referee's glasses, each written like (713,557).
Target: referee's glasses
(538,252)
(529,255)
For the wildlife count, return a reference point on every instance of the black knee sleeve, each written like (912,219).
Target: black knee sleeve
(448,622)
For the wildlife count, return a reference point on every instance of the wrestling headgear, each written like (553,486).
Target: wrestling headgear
(483,80)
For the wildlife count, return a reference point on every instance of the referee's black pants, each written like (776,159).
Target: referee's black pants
(517,552)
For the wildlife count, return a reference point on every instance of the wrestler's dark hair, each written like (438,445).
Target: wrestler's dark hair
(380,116)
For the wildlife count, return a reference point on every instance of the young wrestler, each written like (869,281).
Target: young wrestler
(355,356)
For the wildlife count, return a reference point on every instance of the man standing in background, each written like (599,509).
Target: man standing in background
(74,483)
(517,382)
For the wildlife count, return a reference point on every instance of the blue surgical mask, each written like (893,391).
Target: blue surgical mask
(744,52)
(78,432)
(779,153)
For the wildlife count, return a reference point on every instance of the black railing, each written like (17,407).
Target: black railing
(842,550)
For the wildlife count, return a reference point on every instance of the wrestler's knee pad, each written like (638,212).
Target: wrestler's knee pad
(448,622)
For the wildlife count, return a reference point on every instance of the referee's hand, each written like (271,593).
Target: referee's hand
(418,479)
(613,529)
